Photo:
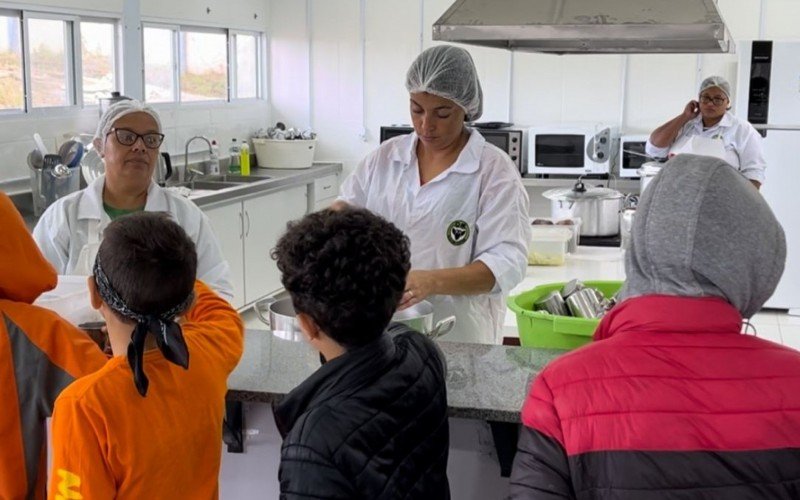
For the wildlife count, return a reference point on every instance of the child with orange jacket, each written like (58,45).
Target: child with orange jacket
(40,354)
(149,424)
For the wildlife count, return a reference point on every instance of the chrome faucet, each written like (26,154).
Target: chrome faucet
(186,168)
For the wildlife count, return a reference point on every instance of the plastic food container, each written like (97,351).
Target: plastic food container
(280,153)
(548,245)
(542,329)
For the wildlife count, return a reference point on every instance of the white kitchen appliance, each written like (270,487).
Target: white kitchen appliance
(768,96)
(572,149)
(631,155)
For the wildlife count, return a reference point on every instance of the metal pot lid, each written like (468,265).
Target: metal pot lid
(581,192)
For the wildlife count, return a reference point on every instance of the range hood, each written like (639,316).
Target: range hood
(587,26)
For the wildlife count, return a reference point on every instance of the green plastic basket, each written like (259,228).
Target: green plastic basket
(542,329)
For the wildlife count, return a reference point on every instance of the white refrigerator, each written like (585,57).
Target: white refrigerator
(768,96)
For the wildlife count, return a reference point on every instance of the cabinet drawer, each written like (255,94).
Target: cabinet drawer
(326,187)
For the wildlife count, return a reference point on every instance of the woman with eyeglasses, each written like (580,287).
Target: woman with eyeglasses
(706,127)
(128,139)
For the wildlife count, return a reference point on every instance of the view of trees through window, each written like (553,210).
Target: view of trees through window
(97,61)
(11,90)
(204,66)
(48,56)
(180,64)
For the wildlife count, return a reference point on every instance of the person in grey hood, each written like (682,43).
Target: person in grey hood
(671,400)
(698,233)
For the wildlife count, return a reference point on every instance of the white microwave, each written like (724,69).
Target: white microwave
(631,155)
(572,150)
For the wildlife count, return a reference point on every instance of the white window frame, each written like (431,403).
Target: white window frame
(115,24)
(72,68)
(177,29)
(74,63)
(233,68)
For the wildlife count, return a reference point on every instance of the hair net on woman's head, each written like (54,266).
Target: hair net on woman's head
(448,72)
(716,81)
(120,109)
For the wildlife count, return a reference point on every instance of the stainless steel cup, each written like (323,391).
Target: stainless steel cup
(552,303)
(584,304)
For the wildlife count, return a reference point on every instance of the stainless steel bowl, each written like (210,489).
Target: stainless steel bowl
(420,318)
(280,317)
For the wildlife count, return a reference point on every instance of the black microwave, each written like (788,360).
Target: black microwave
(508,140)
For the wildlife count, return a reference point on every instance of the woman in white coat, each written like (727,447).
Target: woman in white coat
(707,127)
(459,199)
(128,138)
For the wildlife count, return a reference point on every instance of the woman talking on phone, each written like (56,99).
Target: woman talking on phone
(706,126)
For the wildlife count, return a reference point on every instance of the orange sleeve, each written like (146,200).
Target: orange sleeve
(216,324)
(66,345)
(79,468)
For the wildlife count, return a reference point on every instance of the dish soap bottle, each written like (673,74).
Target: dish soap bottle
(213,162)
(244,158)
(234,167)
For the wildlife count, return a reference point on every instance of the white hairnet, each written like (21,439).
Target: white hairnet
(120,109)
(716,81)
(447,71)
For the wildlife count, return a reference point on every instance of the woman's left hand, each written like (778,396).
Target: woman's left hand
(419,285)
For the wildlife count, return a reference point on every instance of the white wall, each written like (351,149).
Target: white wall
(545,88)
(222,121)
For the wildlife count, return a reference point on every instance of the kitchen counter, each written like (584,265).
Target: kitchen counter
(484,382)
(274,180)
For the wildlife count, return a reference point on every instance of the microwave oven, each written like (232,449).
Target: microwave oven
(631,155)
(509,140)
(572,149)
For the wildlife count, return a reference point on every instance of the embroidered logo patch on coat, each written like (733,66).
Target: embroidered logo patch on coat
(458,232)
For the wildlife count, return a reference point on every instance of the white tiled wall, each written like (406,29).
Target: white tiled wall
(541,88)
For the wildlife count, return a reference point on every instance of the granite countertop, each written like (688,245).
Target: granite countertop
(484,382)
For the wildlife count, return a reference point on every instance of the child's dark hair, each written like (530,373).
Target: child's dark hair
(149,260)
(346,269)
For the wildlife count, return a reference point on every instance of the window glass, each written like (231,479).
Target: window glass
(97,61)
(246,66)
(48,61)
(159,80)
(12,91)
(204,66)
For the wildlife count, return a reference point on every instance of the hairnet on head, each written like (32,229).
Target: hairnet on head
(716,81)
(447,71)
(120,109)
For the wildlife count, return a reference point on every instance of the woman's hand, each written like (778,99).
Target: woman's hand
(691,110)
(419,285)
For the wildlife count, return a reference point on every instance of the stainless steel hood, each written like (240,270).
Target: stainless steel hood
(587,26)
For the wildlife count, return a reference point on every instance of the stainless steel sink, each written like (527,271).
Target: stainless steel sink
(241,179)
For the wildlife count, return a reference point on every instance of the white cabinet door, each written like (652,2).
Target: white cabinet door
(265,221)
(229,229)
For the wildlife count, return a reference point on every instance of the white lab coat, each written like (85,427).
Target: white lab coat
(741,141)
(482,189)
(70,230)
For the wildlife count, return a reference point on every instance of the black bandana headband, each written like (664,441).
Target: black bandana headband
(168,333)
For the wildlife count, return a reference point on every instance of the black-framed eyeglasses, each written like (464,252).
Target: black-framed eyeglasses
(151,140)
(718,101)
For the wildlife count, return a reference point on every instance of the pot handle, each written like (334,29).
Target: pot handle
(443,327)
(264,303)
